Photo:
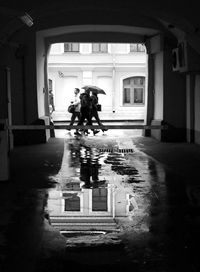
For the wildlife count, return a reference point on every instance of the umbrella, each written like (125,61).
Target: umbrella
(94,89)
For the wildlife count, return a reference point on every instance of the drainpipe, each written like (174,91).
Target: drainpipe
(113,202)
(113,90)
(113,77)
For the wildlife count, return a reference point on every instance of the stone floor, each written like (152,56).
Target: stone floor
(160,233)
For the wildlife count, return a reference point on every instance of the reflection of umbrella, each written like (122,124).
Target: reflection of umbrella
(94,89)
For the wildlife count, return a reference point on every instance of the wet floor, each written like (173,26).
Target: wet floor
(110,207)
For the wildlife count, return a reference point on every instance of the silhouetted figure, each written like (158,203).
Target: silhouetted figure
(51,101)
(94,111)
(85,110)
(77,104)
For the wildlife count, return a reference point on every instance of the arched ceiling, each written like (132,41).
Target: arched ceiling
(176,17)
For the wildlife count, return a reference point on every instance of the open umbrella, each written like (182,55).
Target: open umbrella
(94,89)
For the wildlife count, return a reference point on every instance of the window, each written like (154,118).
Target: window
(133,90)
(99,199)
(99,47)
(72,203)
(137,47)
(71,47)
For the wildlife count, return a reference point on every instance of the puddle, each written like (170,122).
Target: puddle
(94,197)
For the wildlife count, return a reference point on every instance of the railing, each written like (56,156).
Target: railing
(39,127)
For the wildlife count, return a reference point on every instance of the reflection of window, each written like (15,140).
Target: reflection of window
(137,47)
(71,47)
(72,203)
(99,199)
(99,47)
(133,90)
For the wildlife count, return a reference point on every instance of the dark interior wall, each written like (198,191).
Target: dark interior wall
(197,109)
(31,81)
(174,98)
(8,59)
(19,55)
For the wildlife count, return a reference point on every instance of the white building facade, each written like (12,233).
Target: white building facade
(119,69)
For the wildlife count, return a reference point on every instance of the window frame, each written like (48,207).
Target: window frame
(71,46)
(70,200)
(132,86)
(137,48)
(99,195)
(99,47)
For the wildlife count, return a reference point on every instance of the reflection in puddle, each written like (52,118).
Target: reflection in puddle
(91,201)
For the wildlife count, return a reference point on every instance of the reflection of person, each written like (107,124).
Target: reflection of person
(94,112)
(76,103)
(89,168)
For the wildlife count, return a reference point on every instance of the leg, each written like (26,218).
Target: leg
(89,119)
(96,116)
(72,120)
(78,115)
(95,131)
(82,119)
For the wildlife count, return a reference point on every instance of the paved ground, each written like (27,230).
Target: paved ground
(163,236)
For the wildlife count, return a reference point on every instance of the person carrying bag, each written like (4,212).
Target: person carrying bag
(74,108)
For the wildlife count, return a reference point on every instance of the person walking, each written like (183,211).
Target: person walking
(51,102)
(85,110)
(77,105)
(94,111)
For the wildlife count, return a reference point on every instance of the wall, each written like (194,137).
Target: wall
(169,93)
(20,57)
(190,86)
(63,88)
(8,59)
(197,110)
(174,101)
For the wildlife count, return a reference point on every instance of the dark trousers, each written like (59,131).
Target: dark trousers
(85,115)
(73,118)
(95,114)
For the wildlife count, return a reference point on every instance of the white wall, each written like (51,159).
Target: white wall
(158,98)
(57,48)
(63,92)
(63,88)
(104,81)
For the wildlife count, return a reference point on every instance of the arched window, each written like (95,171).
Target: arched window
(133,90)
